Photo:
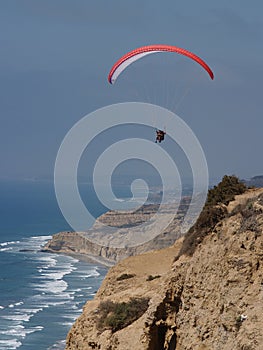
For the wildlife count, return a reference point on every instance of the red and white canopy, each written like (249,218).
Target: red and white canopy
(140,52)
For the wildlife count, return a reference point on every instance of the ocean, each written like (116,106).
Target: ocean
(41,294)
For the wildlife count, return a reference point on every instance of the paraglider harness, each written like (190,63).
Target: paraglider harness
(159,135)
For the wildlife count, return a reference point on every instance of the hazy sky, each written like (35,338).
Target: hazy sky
(56,55)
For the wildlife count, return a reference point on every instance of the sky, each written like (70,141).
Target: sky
(56,55)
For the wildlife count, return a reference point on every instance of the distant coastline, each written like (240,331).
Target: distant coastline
(83,245)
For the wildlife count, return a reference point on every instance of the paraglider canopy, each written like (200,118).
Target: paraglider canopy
(143,51)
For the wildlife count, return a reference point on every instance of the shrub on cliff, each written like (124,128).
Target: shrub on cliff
(151,277)
(214,211)
(125,276)
(116,316)
(225,191)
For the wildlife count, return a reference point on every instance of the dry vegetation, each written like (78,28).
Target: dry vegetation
(116,316)
(214,211)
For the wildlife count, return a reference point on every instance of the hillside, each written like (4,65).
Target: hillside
(255,181)
(206,295)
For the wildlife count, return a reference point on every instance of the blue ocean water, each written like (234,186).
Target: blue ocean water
(41,294)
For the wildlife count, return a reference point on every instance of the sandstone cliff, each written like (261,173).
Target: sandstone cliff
(87,245)
(209,299)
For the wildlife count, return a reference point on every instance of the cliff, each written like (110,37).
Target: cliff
(208,297)
(87,245)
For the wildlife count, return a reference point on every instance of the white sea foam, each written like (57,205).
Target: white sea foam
(21,315)
(89,273)
(54,287)
(46,300)
(31,311)
(19,303)
(87,288)
(16,304)
(59,345)
(10,344)
(33,330)
(17,332)
(48,260)
(67,324)
(57,303)
(41,238)
(56,275)
(93,274)
(20,331)
(18,317)
(4,244)
(35,242)
(73,317)
(5,249)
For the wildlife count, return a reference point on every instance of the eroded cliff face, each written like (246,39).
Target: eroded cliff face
(211,300)
(97,245)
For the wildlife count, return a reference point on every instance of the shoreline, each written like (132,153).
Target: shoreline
(82,245)
(83,257)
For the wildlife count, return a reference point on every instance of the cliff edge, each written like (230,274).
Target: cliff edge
(203,292)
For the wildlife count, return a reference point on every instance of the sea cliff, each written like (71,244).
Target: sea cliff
(87,246)
(205,291)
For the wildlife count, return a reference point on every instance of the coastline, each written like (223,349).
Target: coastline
(84,245)
(83,257)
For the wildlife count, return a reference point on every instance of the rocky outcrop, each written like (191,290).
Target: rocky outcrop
(87,245)
(76,244)
(210,299)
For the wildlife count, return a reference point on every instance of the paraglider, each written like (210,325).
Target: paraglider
(159,135)
(134,55)
(143,51)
